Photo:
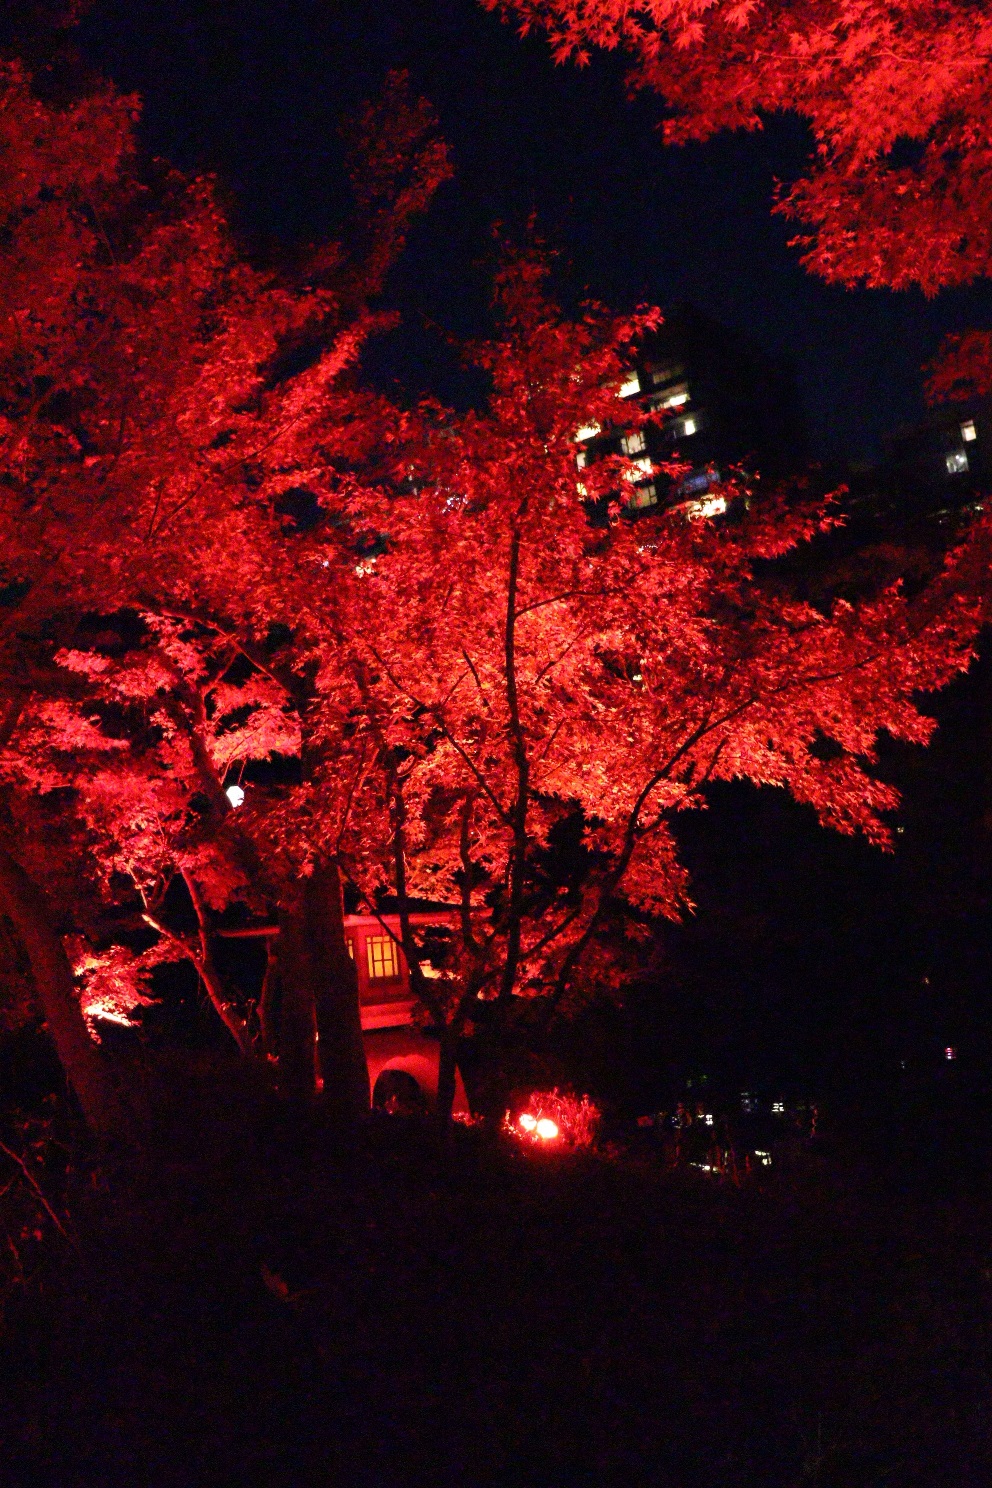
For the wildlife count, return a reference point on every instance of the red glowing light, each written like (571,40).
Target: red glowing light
(554,1116)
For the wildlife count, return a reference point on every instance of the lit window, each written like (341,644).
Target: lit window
(675,396)
(956,462)
(639,467)
(688,426)
(710,506)
(383,960)
(581,459)
(630,385)
(588,431)
(950,1052)
(968,432)
(350,941)
(643,496)
(632,444)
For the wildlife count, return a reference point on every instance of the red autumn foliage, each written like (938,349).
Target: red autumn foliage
(514,667)
(895,93)
(962,369)
(163,402)
(219,549)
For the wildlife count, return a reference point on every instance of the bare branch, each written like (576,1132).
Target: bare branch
(35,1187)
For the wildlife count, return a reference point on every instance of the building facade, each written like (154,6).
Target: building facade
(400,1055)
(725,404)
(942,462)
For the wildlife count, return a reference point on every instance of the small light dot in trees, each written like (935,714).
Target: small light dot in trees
(235,795)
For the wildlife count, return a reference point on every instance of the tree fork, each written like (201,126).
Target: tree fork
(220,997)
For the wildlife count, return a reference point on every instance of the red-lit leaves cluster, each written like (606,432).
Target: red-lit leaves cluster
(962,370)
(218,551)
(895,92)
(512,664)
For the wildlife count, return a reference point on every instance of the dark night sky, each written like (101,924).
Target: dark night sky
(256,91)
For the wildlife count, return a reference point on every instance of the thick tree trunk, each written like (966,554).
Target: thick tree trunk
(269,1001)
(342,1062)
(321,1026)
(84,1065)
(446,1078)
(297,1013)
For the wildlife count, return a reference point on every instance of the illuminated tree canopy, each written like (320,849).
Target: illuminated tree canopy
(514,664)
(219,548)
(895,92)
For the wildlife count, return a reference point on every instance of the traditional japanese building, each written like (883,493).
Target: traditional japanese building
(400,1055)
(403,1058)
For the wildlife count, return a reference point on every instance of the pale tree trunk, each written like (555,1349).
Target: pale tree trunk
(321,1025)
(84,1065)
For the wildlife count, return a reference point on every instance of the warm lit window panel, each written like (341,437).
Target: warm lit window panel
(383,957)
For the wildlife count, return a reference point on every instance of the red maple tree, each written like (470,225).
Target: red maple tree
(164,406)
(507,667)
(218,547)
(872,77)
